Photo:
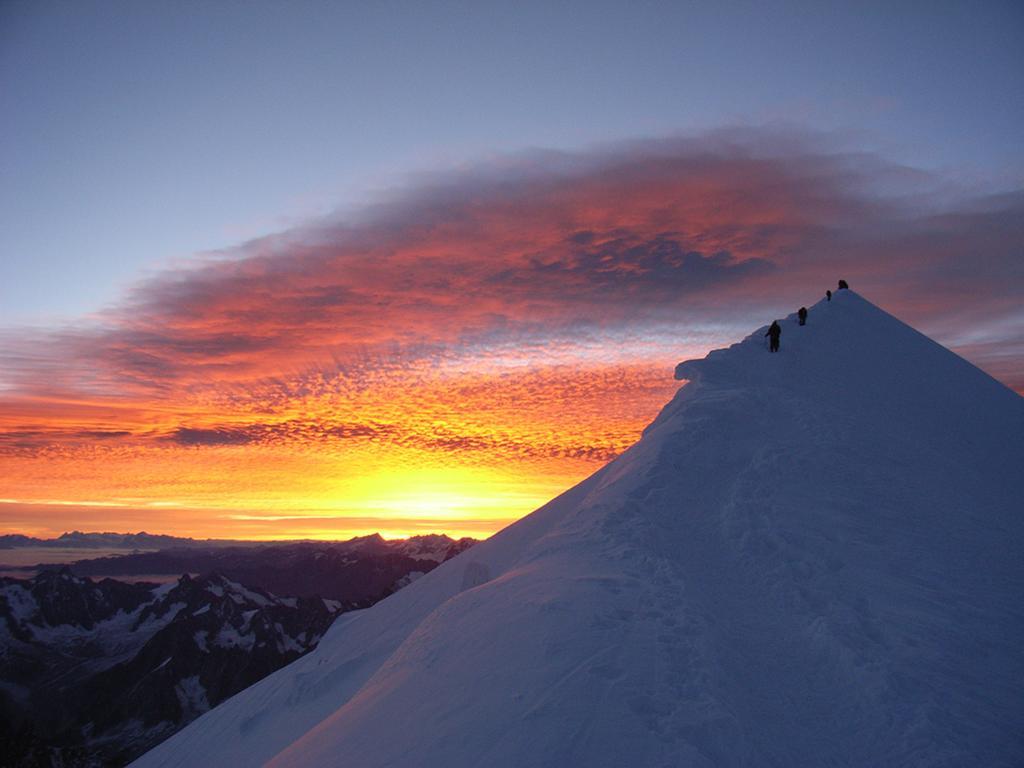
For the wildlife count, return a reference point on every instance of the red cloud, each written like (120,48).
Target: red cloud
(536,262)
(645,233)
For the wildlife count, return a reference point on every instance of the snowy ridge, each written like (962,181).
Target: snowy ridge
(810,558)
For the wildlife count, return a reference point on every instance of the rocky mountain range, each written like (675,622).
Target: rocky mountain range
(358,571)
(94,672)
(127,541)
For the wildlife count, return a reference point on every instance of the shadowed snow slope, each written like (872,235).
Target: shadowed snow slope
(811,558)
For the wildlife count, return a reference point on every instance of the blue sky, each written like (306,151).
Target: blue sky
(138,134)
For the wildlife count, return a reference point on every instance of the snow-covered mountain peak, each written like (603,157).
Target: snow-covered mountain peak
(811,558)
(850,352)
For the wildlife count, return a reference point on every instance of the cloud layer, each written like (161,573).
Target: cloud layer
(569,282)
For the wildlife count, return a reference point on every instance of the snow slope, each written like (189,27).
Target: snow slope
(811,558)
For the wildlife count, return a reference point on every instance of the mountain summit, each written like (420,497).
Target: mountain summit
(810,558)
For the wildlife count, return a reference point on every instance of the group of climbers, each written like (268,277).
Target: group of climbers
(775,330)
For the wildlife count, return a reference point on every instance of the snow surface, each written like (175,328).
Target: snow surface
(408,579)
(191,695)
(241,594)
(286,642)
(811,558)
(20,601)
(229,637)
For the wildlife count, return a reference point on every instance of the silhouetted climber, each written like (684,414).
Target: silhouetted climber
(774,331)
(828,295)
(802,314)
(843,285)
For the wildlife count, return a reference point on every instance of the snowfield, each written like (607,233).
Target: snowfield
(811,558)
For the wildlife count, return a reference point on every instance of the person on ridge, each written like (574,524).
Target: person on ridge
(842,285)
(802,314)
(774,331)
(828,295)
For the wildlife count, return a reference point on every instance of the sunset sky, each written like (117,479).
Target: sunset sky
(277,270)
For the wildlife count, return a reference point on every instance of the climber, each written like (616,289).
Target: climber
(774,331)
(802,314)
(842,285)
(828,295)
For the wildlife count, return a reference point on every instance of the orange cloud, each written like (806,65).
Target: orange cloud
(519,322)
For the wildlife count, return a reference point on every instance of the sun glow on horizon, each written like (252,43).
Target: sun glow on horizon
(284,491)
(462,452)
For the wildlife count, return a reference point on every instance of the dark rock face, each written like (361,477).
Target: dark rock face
(63,600)
(95,673)
(218,638)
